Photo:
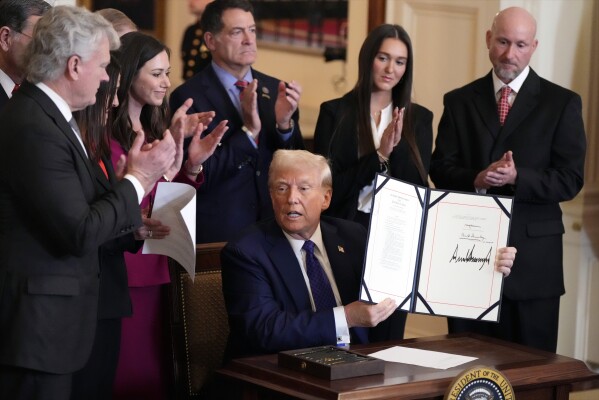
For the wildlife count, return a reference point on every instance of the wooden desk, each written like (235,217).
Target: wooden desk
(534,374)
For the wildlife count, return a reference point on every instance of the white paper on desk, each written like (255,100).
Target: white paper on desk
(175,207)
(423,358)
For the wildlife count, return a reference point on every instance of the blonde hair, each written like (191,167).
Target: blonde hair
(283,159)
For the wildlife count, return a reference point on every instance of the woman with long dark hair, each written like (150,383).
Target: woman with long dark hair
(143,364)
(375,128)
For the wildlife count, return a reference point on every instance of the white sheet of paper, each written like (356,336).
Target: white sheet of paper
(393,242)
(423,358)
(457,275)
(175,207)
(452,269)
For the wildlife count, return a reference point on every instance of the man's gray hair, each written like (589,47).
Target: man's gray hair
(60,33)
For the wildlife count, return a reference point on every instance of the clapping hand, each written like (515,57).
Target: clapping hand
(249,108)
(288,97)
(184,124)
(392,134)
(200,149)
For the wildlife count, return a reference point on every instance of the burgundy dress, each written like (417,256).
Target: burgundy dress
(143,370)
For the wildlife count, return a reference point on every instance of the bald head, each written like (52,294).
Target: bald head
(511,42)
(515,18)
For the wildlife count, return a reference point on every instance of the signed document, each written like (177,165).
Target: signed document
(433,251)
(175,206)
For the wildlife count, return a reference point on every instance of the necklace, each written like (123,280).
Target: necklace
(376,114)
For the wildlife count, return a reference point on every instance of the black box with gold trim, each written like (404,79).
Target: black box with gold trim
(331,362)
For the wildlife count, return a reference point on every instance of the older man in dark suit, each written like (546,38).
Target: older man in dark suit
(514,133)
(270,293)
(294,281)
(262,117)
(53,217)
(17,19)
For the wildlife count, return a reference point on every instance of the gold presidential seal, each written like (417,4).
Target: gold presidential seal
(480,383)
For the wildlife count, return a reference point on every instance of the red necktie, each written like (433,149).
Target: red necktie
(241,85)
(17,86)
(503,106)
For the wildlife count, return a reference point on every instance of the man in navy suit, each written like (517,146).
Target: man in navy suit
(536,154)
(17,19)
(267,284)
(262,118)
(267,290)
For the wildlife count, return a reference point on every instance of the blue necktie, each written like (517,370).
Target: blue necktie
(322,293)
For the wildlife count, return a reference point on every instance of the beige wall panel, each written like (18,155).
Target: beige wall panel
(448,38)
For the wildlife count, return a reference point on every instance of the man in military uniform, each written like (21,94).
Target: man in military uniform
(194,52)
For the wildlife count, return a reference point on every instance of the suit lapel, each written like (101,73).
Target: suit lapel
(3,98)
(485,104)
(284,260)
(217,95)
(344,146)
(267,97)
(54,113)
(340,264)
(526,100)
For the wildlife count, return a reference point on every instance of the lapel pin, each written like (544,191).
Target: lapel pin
(341,249)
(265,92)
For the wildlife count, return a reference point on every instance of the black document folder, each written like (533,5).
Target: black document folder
(433,251)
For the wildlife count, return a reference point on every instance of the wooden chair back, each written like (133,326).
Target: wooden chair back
(199,325)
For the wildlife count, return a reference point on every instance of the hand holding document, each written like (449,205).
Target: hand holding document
(175,206)
(433,251)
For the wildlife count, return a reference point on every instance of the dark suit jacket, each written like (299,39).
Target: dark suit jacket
(545,131)
(114,300)
(265,293)
(336,138)
(3,98)
(235,191)
(52,223)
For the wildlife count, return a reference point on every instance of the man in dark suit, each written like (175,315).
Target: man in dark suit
(96,379)
(268,278)
(53,217)
(17,19)
(262,118)
(535,154)
(269,293)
